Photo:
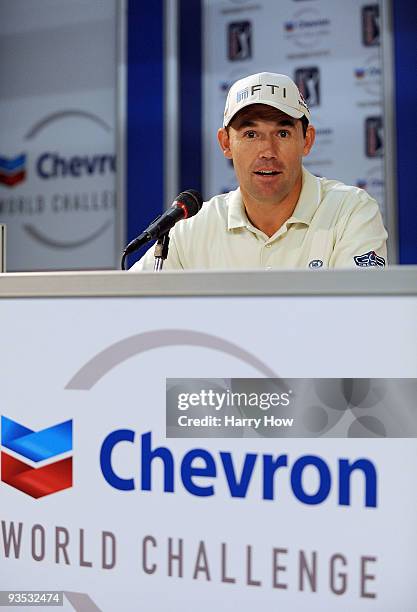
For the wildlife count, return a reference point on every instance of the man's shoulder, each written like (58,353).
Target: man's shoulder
(337,189)
(337,203)
(221,201)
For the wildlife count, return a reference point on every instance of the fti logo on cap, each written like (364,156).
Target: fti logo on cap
(12,170)
(36,447)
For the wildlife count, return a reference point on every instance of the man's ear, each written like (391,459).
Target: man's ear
(224,142)
(309,139)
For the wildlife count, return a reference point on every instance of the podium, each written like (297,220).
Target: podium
(2,248)
(97,501)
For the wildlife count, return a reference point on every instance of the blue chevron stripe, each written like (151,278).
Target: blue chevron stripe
(39,445)
(12,163)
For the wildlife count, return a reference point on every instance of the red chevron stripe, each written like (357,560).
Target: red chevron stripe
(13,179)
(36,482)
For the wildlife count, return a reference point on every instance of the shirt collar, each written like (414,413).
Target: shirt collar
(236,215)
(308,201)
(303,213)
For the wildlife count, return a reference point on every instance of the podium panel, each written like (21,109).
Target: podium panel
(98,503)
(2,248)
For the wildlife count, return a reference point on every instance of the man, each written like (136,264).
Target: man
(281,216)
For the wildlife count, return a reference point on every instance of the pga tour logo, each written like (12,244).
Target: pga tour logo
(370,25)
(239,41)
(30,469)
(308,82)
(374,137)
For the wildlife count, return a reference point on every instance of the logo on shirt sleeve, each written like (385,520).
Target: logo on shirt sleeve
(369,259)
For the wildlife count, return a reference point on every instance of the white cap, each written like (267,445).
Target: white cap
(276,90)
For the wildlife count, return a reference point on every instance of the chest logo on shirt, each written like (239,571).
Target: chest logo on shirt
(369,259)
(315,263)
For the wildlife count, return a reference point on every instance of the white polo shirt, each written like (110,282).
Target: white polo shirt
(333,226)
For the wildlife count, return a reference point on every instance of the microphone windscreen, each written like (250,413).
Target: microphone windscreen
(192,200)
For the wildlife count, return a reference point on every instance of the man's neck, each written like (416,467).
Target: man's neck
(269,217)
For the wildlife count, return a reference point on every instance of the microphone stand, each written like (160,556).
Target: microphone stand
(161,251)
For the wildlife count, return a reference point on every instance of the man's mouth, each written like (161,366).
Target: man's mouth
(266,172)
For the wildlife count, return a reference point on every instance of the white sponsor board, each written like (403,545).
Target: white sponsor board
(57,149)
(102,363)
(332,50)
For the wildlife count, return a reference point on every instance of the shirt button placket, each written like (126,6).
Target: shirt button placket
(265,256)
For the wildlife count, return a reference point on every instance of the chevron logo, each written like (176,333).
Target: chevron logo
(12,170)
(36,447)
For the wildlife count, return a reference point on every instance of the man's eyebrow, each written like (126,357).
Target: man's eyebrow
(286,121)
(244,123)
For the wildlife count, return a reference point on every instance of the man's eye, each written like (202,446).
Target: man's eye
(250,134)
(284,133)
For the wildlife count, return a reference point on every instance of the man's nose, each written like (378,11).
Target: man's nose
(267,148)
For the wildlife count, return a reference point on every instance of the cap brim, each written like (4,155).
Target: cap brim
(288,110)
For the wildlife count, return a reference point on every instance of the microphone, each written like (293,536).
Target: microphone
(187,204)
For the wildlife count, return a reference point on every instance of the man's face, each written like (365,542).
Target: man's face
(267,153)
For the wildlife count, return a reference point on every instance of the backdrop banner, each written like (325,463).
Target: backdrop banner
(57,123)
(332,50)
